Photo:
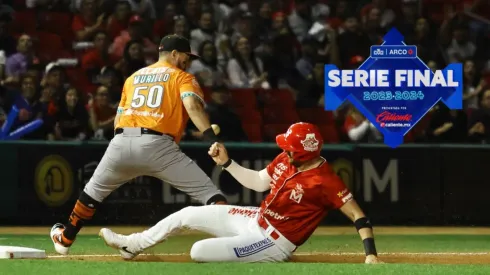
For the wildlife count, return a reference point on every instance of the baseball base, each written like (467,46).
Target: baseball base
(17,252)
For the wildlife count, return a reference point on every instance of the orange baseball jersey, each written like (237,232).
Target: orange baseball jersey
(298,201)
(152,98)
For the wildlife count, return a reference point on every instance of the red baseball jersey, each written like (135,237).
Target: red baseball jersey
(299,200)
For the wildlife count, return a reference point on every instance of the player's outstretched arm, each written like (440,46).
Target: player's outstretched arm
(199,117)
(256,180)
(352,210)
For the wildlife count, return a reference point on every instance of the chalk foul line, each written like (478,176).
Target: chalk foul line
(298,254)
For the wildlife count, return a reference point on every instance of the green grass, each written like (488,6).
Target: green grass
(91,244)
(95,268)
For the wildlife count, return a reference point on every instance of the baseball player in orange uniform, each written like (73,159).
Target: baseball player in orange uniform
(303,190)
(155,106)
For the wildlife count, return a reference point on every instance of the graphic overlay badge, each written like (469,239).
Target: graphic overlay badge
(393,88)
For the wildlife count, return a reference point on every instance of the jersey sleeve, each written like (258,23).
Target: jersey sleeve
(270,168)
(188,86)
(122,103)
(336,193)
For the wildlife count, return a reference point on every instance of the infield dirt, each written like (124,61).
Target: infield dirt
(416,258)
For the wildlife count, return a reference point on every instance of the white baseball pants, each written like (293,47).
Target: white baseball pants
(239,236)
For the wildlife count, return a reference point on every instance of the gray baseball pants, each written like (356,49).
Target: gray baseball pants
(132,154)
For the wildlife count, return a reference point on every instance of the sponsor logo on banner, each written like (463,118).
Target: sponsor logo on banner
(53,180)
(393,119)
(254,248)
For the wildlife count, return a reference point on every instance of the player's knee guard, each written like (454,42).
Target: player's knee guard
(217,199)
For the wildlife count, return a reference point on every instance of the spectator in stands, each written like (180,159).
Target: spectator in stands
(181,27)
(301,19)
(143,8)
(473,85)
(479,121)
(244,28)
(206,32)
(264,20)
(18,63)
(113,80)
(3,61)
(47,5)
(206,69)
(99,57)
(35,71)
(359,129)
(165,26)
(353,42)
(49,98)
(372,26)
(134,32)
(447,126)
(119,21)
(384,15)
(245,70)
(7,41)
(309,49)
(424,38)
(406,23)
(29,107)
(460,47)
(221,113)
(87,23)
(284,50)
(3,113)
(311,92)
(192,12)
(340,10)
(70,119)
(54,78)
(102,114)
(133,59)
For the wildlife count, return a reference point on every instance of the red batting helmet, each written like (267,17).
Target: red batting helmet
(303,139)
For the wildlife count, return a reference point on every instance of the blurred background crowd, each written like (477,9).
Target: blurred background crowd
(262,61)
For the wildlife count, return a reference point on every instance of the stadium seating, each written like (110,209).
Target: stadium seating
(272,130)
(315,115)
(253,131)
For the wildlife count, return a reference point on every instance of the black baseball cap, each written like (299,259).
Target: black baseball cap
(176,42)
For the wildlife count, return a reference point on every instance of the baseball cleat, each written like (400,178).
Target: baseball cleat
(56,232)
(119,242)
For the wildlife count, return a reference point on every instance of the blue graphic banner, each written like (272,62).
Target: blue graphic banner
(393,88)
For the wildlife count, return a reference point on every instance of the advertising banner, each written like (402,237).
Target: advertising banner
(393,88)
(409,185)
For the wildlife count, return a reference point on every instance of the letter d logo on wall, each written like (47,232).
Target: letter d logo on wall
(54,180)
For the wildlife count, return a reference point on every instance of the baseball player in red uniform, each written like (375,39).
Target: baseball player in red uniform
(303,189)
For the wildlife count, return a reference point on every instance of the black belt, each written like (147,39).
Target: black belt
(144,131)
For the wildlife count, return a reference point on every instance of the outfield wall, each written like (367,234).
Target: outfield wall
(410,185)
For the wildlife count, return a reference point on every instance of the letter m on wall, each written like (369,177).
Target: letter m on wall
(372,180)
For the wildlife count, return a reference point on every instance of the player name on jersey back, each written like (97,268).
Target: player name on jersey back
(152,75)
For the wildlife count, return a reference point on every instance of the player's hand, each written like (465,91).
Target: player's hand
(372,259)
(219,154)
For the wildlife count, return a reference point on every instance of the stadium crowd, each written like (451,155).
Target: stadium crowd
(261,68)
